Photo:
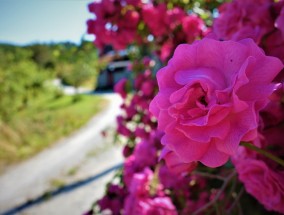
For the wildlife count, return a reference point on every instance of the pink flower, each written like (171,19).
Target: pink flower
(113,199)
(134,2)
(210,94)
(261,182)
(154,17)
(263,178)
(140,201)
(122,128)
(145,154)
(141,133)
(130,110)
(120,88)
(175,164)
(174,17)
(140,183)
(172,181)
(192,26)
(166,49)
(102,8)
(129,169)
(149,206)
(110,26)
(127,151)
(148,87)
(241,19)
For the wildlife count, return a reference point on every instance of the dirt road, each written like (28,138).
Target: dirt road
(33,177)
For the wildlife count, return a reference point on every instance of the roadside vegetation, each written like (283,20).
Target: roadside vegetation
(33,113)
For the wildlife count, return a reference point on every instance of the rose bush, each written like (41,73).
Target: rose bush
(212,95)
(209,99)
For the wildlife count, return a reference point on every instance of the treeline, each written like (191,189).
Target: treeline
(26,72)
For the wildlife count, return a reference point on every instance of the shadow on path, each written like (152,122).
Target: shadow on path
(65,189)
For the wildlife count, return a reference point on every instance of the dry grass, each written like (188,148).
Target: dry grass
(38,127)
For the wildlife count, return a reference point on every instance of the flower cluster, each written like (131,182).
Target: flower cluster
(261,20)
(121,23)
(109,25)
(171,27)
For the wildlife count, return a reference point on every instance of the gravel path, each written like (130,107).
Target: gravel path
(33,177)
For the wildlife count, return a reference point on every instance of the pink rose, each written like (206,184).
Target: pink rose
(176,165)
(113,199)
(120,87)
(141,201)
(149,206)
(193,27)
(154,17)
(141,132)
(166,49)
(264,178)
(102,8)
(241,19)
(210,94)
(122,128)
(174,17)
(264,184)
(173,181)
(148,88)
(145,153)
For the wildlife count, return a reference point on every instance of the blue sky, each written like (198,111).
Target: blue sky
(28,21)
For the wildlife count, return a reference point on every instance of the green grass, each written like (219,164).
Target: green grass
(46,121)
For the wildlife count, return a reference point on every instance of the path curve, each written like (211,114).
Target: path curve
(31,178)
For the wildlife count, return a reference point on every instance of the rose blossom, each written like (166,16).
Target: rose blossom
(175,164)
(148,87)
(263,178)
(120,88)
(145,153)
(154,18)
(149,206)
(210,94)
(174,17)
(140,199)
(113,199)
(263,183)
(241,19)
(166,50)
(193,27)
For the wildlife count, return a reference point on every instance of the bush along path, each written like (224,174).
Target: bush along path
(33,177)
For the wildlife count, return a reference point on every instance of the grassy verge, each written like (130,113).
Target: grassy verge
(45,122)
